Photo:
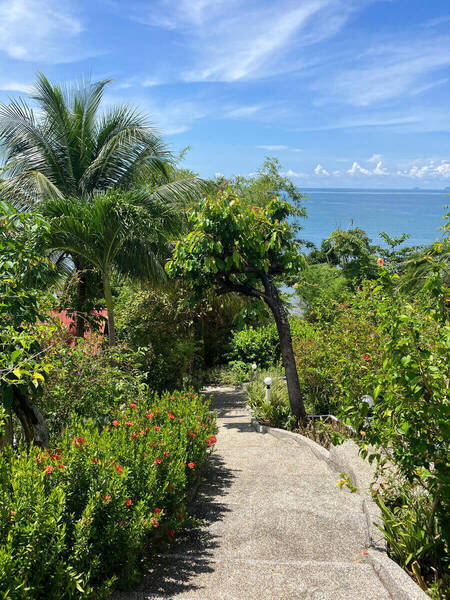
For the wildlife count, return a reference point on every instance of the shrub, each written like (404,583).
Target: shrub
(335,356)
(76,519)
(256,345)
(276,412)
(89,381)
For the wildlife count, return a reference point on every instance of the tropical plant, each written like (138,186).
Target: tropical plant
(67,147)
(237,247)
(122,231)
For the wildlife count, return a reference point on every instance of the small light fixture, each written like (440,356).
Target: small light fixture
(368,399)
(268,381)
(254,367)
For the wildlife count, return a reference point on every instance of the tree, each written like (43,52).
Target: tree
(68,148)
(23,363)
(236,247)
(114,231)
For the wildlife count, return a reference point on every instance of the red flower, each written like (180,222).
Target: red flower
(149,415)
(134,436)
(158,461)
(154,522)
(190,434)
(129,502)
(157,427)
(171,533)
(60,466)
(48,470)
(166,454)
(106,498)
(191,465)
(79,441)
(119,469)
(172,417)
(380,262)
(181,420)
(157,511)
(129,423)
(115,423)
(366,357)
(132,405)
(94,460)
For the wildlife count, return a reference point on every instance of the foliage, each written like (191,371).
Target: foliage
(276,412)
(77,519)
(320,282)
(408,428)
(123,231)
(231,243)
(259,345)
(335,355)
(90,381)
(23,272)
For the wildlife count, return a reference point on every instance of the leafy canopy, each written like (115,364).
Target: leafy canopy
(232,243)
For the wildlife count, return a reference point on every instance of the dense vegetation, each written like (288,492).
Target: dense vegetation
(125,279)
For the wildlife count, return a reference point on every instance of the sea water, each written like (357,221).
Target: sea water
(417,212)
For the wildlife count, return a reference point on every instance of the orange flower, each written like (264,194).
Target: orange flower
(132,405)
(154,522)
(48,470)
(158,461)
(380,262)
(115,423)
(94,460)
(191,465)
(106,498)
(119,469)
(129,502)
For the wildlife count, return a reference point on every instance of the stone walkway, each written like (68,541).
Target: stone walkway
(275,526)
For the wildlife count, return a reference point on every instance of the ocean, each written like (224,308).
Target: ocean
(417,212)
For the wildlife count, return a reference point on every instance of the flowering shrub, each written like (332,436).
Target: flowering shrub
(76,519)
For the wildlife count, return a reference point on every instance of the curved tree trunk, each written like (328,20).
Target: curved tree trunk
(33,423)
(284,332)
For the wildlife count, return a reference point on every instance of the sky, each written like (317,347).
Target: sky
(345,93)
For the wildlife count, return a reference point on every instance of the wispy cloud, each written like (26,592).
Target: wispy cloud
(278,148)
(319,170)
(390,70)
(231,40)
(32,30)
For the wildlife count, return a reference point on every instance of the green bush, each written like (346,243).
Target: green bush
(276,412)
(258,345)
(90,381)
(335,356)
(75,520)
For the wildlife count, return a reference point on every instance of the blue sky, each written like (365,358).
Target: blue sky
(350,93)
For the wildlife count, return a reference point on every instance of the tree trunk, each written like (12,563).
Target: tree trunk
(33,423)
(110,309)
(284,332)
(80,319)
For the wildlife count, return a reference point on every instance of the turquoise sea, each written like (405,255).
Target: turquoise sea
(417,212)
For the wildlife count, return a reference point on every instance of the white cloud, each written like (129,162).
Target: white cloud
(275,147)
(15,86)
(390,70)
(243,111)
(295,174)
(375,158)
(230,40)
(278,147)
(34,30)
(356,169)
(319,170)
(380,170)
(430,170)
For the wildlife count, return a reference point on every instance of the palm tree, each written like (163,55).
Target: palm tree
(114,231)
(68,148)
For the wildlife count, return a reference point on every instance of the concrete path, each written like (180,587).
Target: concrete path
(275,526)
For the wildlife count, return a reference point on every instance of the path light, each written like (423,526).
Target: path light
(268,383)
(368,399)
(254,367)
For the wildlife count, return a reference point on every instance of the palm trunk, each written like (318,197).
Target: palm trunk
(81,299)
(284,332)
(110,309)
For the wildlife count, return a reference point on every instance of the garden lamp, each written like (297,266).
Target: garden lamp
(268,383)
(254,367)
